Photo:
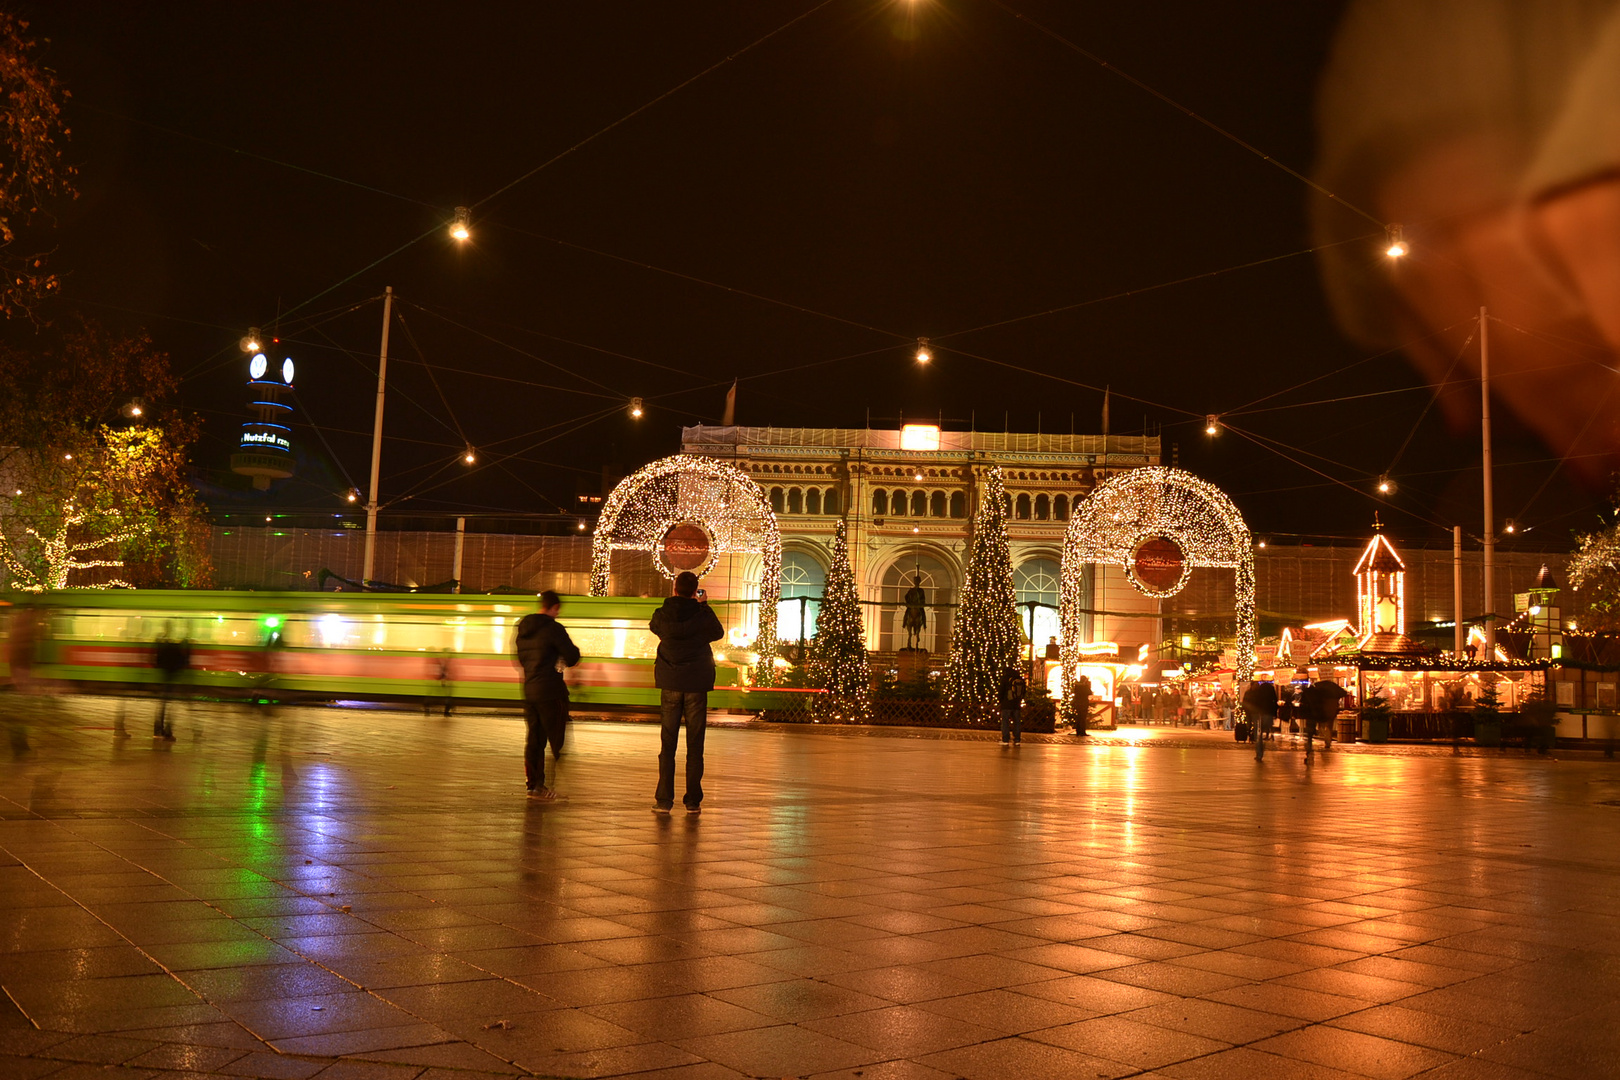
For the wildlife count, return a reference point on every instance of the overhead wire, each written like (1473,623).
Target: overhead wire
(633,113)
(1174,104)
(1440,388)
(430,310)
(405,326)
(1264,444)
(1144,289)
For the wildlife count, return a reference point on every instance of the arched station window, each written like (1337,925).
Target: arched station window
(804,580)
(1036,581)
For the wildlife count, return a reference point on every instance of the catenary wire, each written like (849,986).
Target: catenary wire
(1140,85)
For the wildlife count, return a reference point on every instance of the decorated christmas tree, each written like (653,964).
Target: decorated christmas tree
(838,662)
(985,638)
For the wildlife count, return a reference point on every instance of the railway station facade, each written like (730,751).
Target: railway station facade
(908,496)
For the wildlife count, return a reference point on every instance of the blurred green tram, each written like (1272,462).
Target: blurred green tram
(354,646)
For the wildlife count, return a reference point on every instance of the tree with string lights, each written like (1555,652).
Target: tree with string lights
(985,636)
(838,661)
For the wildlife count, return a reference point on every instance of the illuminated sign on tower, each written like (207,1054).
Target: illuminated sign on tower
(265,449)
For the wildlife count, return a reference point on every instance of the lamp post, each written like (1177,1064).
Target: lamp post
(376,439)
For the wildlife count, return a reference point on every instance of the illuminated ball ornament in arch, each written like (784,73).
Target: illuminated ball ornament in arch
(258,366)
(287,371)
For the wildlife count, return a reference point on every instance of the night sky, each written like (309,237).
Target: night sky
(873,172)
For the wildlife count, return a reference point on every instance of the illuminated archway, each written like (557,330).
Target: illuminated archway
(708,506)
(1157,524)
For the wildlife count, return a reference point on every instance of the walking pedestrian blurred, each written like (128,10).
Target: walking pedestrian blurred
(683,671)
(1081,705)
(1012,692)
(544,650)
(171,658)
(1260,703)
(1320,704)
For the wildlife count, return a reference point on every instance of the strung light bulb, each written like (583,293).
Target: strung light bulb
(1262,542)
(67,457)
(635,408)
(469,457)
(1385,484)
(134,410)
(250,343)
(354,496)
(581,524)
(1509,526)
(460,228)
(1396,246)
(1212,424)
(924,353)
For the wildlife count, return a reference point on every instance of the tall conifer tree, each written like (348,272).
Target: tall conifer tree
(838,661)
(985,637)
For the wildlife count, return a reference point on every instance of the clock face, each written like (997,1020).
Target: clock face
(257,366)
(287,371)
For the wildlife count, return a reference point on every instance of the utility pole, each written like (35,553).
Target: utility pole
(461,545)
(1490,507)
(1456,591)
(376,438)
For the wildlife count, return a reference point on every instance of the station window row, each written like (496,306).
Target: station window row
(916,502)
(804,500)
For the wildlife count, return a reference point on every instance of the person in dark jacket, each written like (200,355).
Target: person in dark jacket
(1320,703)
(684,675)
(1012,691)
(1260,703)
(544,650)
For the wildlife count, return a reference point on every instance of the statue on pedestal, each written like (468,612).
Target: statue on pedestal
(915,622)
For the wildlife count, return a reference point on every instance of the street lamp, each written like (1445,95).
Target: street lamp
(1385,484)
(469,457)
(250,343)
(460,228)
(1396,243)
(635,408)
(924,353)
(1212,424)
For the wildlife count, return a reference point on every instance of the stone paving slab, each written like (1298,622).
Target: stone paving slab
(367,894)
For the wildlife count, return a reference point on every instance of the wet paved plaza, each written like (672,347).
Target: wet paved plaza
(357,895)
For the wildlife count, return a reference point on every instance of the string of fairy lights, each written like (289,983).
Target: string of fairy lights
(985,636)
(716,497)
(839,665)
